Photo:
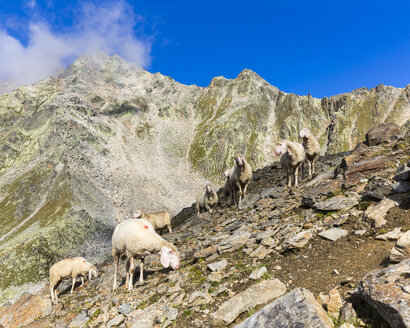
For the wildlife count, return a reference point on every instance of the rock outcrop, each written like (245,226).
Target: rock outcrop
(387,291)
(295,309)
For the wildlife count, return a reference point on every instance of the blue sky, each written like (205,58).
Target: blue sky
(317,47)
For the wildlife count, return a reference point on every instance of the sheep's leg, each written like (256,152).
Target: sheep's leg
(52,293)
(169,228)
(127,271)
(313,165)
(55,294)
(82,281)
(296,176)
(239,194)
(310,169)
(289,177)
(233,197)
(142,271)
(244,190)
(131,273)
(72,287)
(116,262)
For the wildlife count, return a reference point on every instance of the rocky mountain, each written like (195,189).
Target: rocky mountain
(81,151)
(322,255)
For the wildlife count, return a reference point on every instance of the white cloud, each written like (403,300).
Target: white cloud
(110,28)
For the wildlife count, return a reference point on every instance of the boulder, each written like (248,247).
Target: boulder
(336,203)
(299,240)
(249,200)
(333,234)
(395,234)
(378,188)
(233,242)
(402,249)
(218,266)
(383,132)
(375,214)
(260,293)
(295,309)
(385,291)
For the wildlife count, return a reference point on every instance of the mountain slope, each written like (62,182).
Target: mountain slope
(81,151)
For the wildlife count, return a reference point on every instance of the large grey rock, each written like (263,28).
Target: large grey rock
(401,250)
(378,188)
(298,240)
(333,234)
(234,242)
(375,214)
(258,273)
(387,292)
(295,309)
(248,201)
(384,132)
(336,203)
(217,266)
(395,234)
(263,292)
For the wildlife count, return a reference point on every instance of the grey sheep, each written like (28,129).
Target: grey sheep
(136,238)
(292,155)
(312,148)
(241,177)
(71,267)
(158,219)
(207,200)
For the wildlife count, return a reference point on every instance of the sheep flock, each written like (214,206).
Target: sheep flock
(136,238)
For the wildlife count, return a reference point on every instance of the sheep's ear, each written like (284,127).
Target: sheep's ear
(165,257)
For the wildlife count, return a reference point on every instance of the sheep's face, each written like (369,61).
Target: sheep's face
(280,149)
(137,214)
(92,273)
(304,133)
(239,160)
(209,189)
(169,257)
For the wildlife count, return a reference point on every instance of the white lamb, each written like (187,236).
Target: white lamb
(312,149)
(136,238)
(72,267)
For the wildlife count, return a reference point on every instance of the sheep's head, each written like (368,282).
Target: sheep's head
(137,214)
(239,160)
(170,257)
(304,133)
(280,148)
(209,189)
(93,272)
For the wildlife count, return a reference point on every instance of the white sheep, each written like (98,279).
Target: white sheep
(158,219)
(292,155)
(241,177)
(71,267)
(312,148)
(136,238)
